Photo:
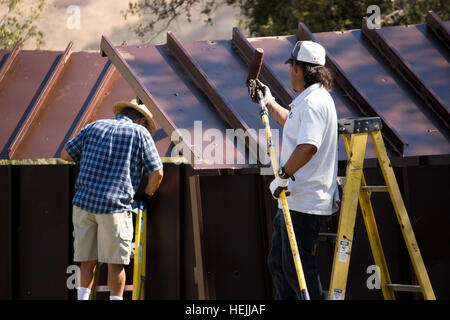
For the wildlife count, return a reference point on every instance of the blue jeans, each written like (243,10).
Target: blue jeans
(280,260)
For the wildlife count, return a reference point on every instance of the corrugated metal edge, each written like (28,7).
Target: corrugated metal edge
(9,61)
(439,29)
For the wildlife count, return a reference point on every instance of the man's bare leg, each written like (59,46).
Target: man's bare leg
(87,269)
(116,279)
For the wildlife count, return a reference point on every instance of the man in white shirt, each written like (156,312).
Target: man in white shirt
(309,155)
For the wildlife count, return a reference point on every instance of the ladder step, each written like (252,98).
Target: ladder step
(328,237)
(356,125)
(341,182)
(128,287)
(375,188)
(404,287)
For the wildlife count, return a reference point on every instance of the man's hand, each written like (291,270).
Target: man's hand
(254,87)
(154,180)
(266,94)
(148,199)
(278,185)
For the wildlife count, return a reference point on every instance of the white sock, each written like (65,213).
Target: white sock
(83,293)
(115,298)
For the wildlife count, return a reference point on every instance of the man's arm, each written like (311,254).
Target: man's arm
(279,113)
(154,180)
(299,157)
(73,149)
(66,156)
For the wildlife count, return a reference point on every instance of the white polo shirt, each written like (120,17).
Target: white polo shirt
(313,120)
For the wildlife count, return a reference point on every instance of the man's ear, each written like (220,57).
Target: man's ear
(141,121)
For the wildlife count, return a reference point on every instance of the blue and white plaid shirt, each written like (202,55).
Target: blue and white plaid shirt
(113,155)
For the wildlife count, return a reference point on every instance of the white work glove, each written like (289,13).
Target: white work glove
(278,185)
(267,95)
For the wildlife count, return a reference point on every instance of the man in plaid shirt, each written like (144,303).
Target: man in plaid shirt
(113,155)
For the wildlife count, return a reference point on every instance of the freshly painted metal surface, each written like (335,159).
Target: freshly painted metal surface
(19,89)
(409,119)
(35,120)
(163,86)
(423,67)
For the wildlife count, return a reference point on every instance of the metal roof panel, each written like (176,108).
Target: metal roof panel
(387,93)
(18,90)
(62,106)
(424,56)
(176,103)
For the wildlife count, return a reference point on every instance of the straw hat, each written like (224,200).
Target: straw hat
(120,105)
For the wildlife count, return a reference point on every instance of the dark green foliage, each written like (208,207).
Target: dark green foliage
(281,17)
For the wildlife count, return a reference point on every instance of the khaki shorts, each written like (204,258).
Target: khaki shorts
(104,238)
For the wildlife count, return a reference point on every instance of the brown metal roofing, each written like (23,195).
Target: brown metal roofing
(18,89)
(420,59)
(39,116)
(413,126)
(400,74)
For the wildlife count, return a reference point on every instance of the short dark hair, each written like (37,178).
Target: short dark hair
(313,73)
(132,113)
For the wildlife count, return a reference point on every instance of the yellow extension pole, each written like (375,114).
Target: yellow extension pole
(144,255)
(140,254)
(287,216)
(137,249)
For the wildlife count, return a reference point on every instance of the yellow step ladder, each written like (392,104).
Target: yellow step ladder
(355,132)
(139,256)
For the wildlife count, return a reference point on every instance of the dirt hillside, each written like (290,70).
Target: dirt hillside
(84,21)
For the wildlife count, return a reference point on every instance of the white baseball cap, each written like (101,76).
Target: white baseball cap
(308,51)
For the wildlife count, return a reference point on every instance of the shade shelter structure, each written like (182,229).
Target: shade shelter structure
(210,231)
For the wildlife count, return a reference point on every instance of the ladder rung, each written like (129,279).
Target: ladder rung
(128,287)
(375,188)
(341,182)
(328,237)
(404,287)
